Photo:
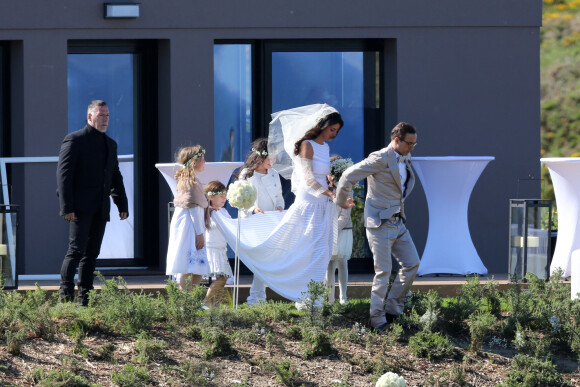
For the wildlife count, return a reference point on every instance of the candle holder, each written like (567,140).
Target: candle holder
(530,238)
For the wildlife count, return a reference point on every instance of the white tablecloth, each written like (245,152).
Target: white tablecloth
(119,238)
(565,173)
(448,183)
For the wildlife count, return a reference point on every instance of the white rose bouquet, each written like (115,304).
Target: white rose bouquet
(241,194)
(391,379)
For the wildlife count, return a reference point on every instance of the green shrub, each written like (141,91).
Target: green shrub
(428,320)
(392,336)
(532,343)
(70,363)
(492,297)
(453,376)
(69,314)
(193,332)
(358,228)
(36,314)
(15,340)
(371,339)
(148,349)
(526,371)
(316,342)
(246,336)
(520,305)
(269,311)
(294,332)
(350,335)
(131,376)
(312,301)
(414,301)
(123,310)
(216,343)
(183,305)
(430,308)
(467,302)
(106,351)
(78,331)
(432,301)
(58,378)
(380,366)
(366,365)
(480,324)
(197,373)
(430,345)
(287,374)
(27,312)
(274,341)
(411,320)
(224,317)
(377,365)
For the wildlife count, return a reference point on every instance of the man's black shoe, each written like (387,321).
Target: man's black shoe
(83,300)
(380,328)
(63,297)
(391,318)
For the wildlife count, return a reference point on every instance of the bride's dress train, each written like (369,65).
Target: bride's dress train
(285,249)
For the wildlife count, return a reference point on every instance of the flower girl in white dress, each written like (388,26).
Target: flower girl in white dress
(216,245)
(342,250)
(186,254)
(258,171)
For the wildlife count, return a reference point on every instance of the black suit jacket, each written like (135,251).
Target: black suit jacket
(83,185)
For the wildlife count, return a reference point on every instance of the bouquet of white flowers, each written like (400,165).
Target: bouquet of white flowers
(338,166)
(241,194)
(391,379)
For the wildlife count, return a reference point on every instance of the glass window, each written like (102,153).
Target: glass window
(4,96)
(232,101)
(335,78)
(108,77)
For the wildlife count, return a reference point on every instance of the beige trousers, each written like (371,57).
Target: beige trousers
(392,237)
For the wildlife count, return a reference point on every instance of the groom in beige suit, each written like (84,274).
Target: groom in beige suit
(390,179)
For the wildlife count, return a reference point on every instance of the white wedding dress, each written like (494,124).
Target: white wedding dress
(289,249)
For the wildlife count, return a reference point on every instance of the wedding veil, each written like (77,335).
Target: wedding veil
(286,128)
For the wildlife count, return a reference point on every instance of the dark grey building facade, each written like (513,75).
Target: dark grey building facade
(466,74)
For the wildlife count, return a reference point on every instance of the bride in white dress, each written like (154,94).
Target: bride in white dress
(289,249)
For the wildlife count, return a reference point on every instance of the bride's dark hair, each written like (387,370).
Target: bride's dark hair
(323,123)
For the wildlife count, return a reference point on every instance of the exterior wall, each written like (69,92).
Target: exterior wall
(467,75)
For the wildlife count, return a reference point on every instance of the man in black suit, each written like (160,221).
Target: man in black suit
(87,174)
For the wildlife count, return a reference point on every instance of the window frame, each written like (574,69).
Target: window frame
(145,139)
(5,88)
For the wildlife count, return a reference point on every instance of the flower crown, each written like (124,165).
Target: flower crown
(263,153)
(195,156)
(210,193)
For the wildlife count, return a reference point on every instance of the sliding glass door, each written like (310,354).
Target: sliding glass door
(122,73)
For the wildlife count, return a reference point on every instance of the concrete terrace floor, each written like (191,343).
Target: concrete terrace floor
(359,285)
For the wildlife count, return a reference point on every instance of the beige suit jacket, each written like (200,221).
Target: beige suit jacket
(384,188)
